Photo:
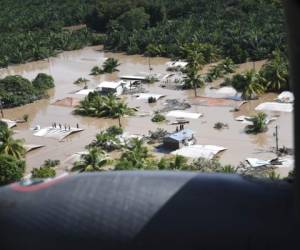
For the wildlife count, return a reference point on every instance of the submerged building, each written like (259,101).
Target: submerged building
(179,139)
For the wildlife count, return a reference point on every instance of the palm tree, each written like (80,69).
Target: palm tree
(135,157)
(120,110)
(9,145)
(249,83)
(192,80)
(275,72)
(253,85)
(96,70)
(95,160)
(110,65)
(83,80)
(258,125)
(115,109)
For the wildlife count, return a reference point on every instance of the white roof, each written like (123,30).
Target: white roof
(224,92)
(109,85)
(197,151)
(146,96)
(176,64)
(183,114)
(274,106)
(286,97)
(84,91)
(56,133)
(9,123)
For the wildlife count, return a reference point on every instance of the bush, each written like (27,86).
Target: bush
(152,99)
(11,169)
(51,163)
(43,82)
(158,118)
(43,172)
(220,125)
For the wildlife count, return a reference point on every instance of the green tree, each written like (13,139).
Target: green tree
(9,145)
(11,169)
(275,72)
(94,160)
(176,162)
(158,117)
(108,140)
(258,125)
(43,172)
(110,65)
(136,156)
(134,19)
(249,83)
(43,82)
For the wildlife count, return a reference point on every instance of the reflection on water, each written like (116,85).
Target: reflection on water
(69,66)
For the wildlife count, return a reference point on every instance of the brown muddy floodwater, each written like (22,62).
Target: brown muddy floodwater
(69,66)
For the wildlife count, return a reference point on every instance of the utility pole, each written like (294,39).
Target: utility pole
(1,108)
(276,138)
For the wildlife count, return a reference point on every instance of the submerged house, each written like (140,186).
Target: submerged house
(114,88)
(179,139)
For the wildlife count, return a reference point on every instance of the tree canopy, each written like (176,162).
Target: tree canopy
(242,30)
(17,90)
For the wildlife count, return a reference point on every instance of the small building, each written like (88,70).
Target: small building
(114,88)
(179,139)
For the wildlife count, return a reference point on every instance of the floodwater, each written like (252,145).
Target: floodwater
(69,66)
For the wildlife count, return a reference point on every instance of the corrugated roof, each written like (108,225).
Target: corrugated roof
(182,135)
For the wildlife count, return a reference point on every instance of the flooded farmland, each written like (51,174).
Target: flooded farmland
(69,66)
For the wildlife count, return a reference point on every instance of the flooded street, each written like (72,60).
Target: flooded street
(69,66)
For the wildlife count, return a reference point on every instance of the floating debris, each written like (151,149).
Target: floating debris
(31,147)
(174,104)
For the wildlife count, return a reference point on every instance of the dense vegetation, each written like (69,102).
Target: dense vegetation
(12,164)
(241,30)
(33,29)
(273,77)
(16,90)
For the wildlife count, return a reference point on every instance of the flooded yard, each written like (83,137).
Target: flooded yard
(69,66)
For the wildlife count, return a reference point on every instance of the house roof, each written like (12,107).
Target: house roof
(182,135)
(109,85)
(136,77)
